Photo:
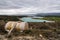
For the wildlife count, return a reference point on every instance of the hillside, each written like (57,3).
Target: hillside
(48,14)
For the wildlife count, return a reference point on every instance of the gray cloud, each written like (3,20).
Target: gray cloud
(29,6)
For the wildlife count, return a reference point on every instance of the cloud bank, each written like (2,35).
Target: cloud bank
(11,7)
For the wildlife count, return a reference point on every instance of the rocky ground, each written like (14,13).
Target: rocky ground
(23,36)
(49,31)
(19,36)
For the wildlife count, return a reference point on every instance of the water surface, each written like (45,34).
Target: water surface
(29,19)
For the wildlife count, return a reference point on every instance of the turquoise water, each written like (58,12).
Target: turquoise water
(28,19)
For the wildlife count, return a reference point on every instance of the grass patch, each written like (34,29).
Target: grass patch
(50,18)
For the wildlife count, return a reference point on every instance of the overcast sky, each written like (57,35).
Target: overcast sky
(29,6)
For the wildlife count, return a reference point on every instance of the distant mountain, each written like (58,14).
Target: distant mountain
(47,14)
(38,14)
(21,15)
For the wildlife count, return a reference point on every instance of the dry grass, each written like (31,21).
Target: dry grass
(48,30)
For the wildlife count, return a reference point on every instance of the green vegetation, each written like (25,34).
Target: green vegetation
(52,18)
(9,18)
